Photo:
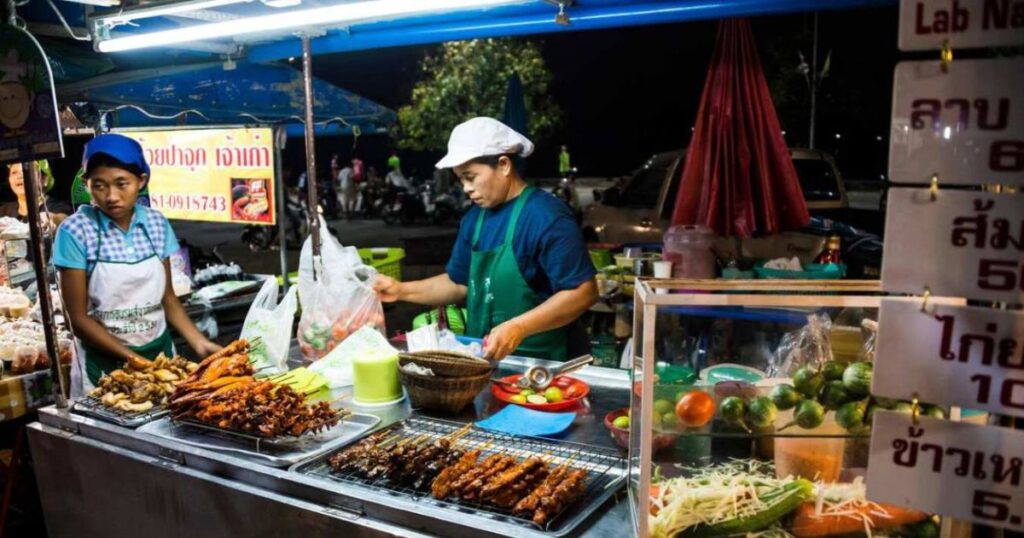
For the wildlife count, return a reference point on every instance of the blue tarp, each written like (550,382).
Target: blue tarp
(207,94)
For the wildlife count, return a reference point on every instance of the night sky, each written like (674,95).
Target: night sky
(629,93)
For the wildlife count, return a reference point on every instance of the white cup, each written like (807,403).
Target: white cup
(662,269)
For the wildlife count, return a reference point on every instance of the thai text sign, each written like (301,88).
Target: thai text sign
(954,469)
(961,244)
(927,24)
(965,126)
(972,357)
(215,175)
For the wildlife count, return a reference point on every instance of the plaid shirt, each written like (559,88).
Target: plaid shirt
(89,236)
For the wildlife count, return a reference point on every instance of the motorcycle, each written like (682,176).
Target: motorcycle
(406,206)
(566,191)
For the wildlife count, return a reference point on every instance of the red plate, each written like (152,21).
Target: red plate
(573,389)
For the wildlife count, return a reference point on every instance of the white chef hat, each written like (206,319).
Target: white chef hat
(483,137)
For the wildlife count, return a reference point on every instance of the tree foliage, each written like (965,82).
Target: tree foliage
(466,79)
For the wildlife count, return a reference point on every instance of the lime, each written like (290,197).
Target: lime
(656,421)
(809,414)
(527,392)
(761,412)
(834,395)
(808,381)
(517,399)
(662,406)
(621,422)
(553,395)
(851,415)
(679,396)
(669,421)
(732,409)
(785,396)
(536,399)
(833,370)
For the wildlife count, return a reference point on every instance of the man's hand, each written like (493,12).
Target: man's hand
(503,340)
(204,348)
(388,289)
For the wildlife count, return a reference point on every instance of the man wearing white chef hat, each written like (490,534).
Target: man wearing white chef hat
(519,261)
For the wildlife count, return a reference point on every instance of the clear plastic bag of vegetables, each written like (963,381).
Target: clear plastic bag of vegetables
(271,322)
(336,295)
(810,346)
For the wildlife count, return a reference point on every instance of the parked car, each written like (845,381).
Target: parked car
(639,208)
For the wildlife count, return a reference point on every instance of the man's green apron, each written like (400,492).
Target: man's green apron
(498,292)
(139,286)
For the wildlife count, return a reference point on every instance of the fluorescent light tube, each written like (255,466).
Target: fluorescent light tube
(347,13)
(123,17)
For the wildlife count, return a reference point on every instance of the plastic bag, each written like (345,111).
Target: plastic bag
(272,324)
(809,346)
(867,352)
(208,323)
(336,367)
(339,301)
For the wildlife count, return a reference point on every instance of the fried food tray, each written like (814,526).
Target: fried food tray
(606,471)
(93,407)
(276,452)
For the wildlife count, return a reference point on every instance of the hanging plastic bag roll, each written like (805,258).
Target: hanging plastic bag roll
(271,322)
(336,294)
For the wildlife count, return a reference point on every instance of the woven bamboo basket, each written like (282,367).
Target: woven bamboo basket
(438,393)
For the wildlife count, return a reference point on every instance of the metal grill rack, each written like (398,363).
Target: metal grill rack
(93,407)
(606,471)
(259,444)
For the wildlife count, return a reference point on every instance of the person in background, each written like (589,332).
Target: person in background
(394,162)
(18,209)
(395,178)
(115,275)
(347,191)
(335,166)
(564,161)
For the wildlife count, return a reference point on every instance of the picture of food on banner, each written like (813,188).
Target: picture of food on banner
(250,201)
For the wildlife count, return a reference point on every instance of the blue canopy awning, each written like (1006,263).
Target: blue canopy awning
(207,94)
(529,17)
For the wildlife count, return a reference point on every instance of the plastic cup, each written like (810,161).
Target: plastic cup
(662,269)
(375,378)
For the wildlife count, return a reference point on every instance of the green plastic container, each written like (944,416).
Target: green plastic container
(601,257)
(812,271)
(386,260)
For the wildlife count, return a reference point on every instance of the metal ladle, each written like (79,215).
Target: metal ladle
(539,378)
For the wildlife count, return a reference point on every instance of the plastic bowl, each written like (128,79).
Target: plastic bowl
(621,435)
(574,390)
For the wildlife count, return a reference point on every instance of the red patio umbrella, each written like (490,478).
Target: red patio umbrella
(739,178)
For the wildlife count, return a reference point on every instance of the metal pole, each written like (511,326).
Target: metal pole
(282,221)
(311,177)
(32,190)
(814,82)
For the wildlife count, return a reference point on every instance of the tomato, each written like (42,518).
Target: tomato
(339,333)
(695,409)
(307,350)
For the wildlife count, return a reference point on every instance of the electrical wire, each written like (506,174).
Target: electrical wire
(67,26)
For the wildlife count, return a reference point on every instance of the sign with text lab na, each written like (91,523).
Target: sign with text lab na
(213,175)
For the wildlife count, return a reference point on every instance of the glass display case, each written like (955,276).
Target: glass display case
(751,410)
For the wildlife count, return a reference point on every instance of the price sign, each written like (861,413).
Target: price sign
(928,24)
(966,125)
(961,244)
(953,469)
(971,357)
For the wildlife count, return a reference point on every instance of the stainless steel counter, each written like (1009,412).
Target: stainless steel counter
(97,479)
